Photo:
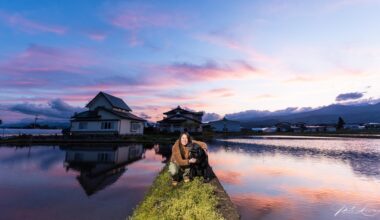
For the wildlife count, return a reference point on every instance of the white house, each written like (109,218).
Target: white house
(225,125)
(107,114)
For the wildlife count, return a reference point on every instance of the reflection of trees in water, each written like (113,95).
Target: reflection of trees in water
(362,163)
(100,167)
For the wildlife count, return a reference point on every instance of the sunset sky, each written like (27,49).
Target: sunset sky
(214,56)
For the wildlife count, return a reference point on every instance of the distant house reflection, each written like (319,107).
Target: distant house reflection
(100,167)
(165,150)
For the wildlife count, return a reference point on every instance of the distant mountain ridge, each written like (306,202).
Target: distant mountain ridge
(328,114)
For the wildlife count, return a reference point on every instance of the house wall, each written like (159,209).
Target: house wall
(129,153)
(94,127)
(125,127)
(122,127)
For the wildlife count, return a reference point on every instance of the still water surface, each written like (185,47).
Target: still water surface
(267,178)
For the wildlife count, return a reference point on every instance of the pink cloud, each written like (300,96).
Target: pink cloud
(301,79)
(26,25)
(42,59)
(209,71)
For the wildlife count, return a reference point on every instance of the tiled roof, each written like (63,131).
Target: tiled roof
(126,115)
(86,114)
(183,116)
(181,110)
(114,101)
(94,115)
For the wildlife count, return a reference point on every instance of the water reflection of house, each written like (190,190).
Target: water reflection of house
(165,150)
(225,125)
(100,167)
(320,128)
(107,114)
(354,127)
(180,119)
(372,125)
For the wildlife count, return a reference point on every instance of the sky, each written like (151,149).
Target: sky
(220,57)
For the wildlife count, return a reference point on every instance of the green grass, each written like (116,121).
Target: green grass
(193,200)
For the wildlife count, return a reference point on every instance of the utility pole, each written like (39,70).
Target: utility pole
(1,122)
(35,121)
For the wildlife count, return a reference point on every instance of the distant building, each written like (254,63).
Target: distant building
(354,127)
(330,129)
(270,129)
(107,114)
(258,130)
(283,127)
(179,120)
(225,125)
(372,125)
(320,128)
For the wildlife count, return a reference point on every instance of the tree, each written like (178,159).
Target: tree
(340,124)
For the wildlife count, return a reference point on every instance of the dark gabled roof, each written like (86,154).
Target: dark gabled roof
(181,110)
(126,115)
(114,101)
(183,116)
(86,114)
(94,115)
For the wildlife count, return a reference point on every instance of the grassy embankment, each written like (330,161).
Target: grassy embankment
(193,200)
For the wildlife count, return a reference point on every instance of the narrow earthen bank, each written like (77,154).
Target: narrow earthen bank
(193,200)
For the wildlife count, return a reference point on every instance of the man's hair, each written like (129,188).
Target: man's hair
(189,139)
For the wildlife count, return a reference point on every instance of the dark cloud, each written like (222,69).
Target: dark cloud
(145,116)
(349,96)
(56,108)
(211,117)
(249,114)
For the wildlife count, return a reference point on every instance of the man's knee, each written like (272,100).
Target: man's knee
(173,169)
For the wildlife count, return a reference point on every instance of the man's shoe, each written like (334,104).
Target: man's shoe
(174,183)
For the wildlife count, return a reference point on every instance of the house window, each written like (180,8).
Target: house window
(107,125)
(135,126)
(82,125)
(103,157)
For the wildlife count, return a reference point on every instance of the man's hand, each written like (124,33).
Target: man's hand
(192,160)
